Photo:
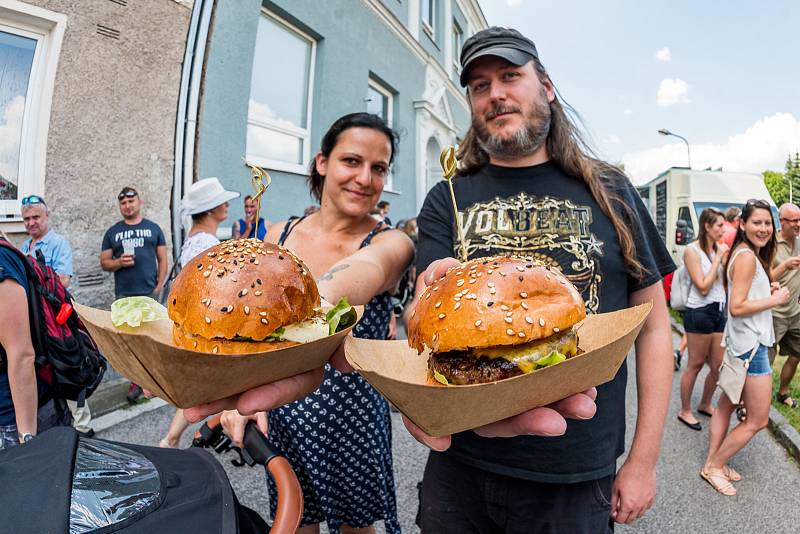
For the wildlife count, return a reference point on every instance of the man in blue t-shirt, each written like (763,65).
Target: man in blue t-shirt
(24,406)
(135,250)
(55,248)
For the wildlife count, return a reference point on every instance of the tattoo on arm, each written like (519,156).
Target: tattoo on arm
(329,275)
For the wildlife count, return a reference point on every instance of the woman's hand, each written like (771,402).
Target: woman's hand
(781,296)
(722,252)
(234,424)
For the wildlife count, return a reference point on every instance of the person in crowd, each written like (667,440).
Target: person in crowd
(25,408)
(704,317)
(206,204)
(732,216)
(55,248)
(346,470)
(134,249)
(57,254)
(383,209)
(523,156)
(786,318)
(748,335)
(679,352)
(247,227)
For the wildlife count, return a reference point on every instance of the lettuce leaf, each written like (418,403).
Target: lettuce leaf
(551,359)
(440,378)
(340,316)
(277,335)
(134,311)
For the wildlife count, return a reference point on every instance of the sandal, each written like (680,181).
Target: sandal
(718,481)
(785,398)
(731,473)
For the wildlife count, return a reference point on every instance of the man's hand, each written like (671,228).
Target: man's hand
(544,421)
(261,398)
(234,424)
(633,492)
(126,260)
(792,263)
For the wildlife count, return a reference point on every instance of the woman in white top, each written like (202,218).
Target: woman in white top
(748,334)
(704,318)
(206,203)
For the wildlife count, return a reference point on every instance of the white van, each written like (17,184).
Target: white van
(677,196)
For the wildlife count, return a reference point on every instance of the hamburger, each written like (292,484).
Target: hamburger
(244,296)
(494,318)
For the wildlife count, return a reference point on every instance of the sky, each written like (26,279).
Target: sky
(723,74)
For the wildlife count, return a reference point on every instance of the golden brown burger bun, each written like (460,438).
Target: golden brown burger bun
(488,302)
(225,346)
(244,288)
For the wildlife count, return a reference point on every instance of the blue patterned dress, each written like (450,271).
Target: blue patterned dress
(339,438)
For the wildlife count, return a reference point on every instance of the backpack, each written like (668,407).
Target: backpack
(67,358)
(679,289)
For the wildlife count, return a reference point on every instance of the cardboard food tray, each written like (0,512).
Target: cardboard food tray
(147,356)
(401,375)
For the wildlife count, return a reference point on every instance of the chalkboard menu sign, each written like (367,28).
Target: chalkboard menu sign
(661,210)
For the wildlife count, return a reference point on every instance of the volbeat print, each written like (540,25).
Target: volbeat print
(554,231)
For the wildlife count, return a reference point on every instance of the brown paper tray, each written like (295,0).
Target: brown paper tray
(401,375)
(147,356)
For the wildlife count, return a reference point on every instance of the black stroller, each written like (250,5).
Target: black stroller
(63,483)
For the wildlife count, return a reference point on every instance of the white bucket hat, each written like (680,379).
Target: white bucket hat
(204,195)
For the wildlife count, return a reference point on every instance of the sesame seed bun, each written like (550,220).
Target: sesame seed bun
(242,288)
(492,302)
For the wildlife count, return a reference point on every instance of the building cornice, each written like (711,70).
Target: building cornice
(393,23)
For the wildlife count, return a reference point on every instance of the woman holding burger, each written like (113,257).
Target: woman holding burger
(338,439)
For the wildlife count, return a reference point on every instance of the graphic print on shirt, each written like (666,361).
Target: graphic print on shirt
(554,231)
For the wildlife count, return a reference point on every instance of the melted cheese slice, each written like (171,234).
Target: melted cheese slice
(527,354)
(306,331)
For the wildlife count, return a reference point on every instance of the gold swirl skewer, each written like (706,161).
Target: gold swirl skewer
(449,164)
(260,180)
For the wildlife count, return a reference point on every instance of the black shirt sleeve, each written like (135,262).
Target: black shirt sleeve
(435,228)
(651,252)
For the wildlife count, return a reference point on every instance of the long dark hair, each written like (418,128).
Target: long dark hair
(707,216)
(567,148)
(767,253)
(316,182)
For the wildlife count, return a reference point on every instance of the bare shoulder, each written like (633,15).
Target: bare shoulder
(274,232)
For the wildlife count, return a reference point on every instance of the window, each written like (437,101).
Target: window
(380,101)
(30,42)
(429,17)
(458,42)
(281,88)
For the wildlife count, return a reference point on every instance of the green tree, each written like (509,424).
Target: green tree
(777,186)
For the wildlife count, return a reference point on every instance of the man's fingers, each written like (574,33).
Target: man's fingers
(201,411)
(537,422)
(269,396)
(437,269)
(437,444)
(578,406)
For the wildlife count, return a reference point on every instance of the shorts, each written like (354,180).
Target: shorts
(787,337)
(759,365)
(457,498)
(708,319)
(50,414)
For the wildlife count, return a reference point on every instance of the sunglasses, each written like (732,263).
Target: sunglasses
(757,203)
(127,194)
(32,199)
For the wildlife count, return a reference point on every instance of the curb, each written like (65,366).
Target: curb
(785,433)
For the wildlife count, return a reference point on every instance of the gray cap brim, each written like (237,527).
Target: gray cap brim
(512,55)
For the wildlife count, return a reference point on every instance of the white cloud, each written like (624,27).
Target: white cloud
(628,112)
(763,146)
(664,55)
(10,130)
(672,91)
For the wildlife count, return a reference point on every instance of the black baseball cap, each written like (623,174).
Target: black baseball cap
(506,43)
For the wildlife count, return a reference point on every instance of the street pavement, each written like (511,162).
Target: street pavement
(768,497)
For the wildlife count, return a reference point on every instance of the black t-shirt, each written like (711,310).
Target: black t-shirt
(544,212)
(144,238)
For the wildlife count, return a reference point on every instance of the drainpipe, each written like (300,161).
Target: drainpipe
(188,105)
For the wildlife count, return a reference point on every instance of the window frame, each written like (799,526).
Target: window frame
(47,29)
(429,27)
(456,48)
(303,134)
(372,83)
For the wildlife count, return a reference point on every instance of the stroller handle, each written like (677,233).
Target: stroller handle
(258,450)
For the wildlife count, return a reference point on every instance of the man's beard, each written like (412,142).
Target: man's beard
(524,142)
